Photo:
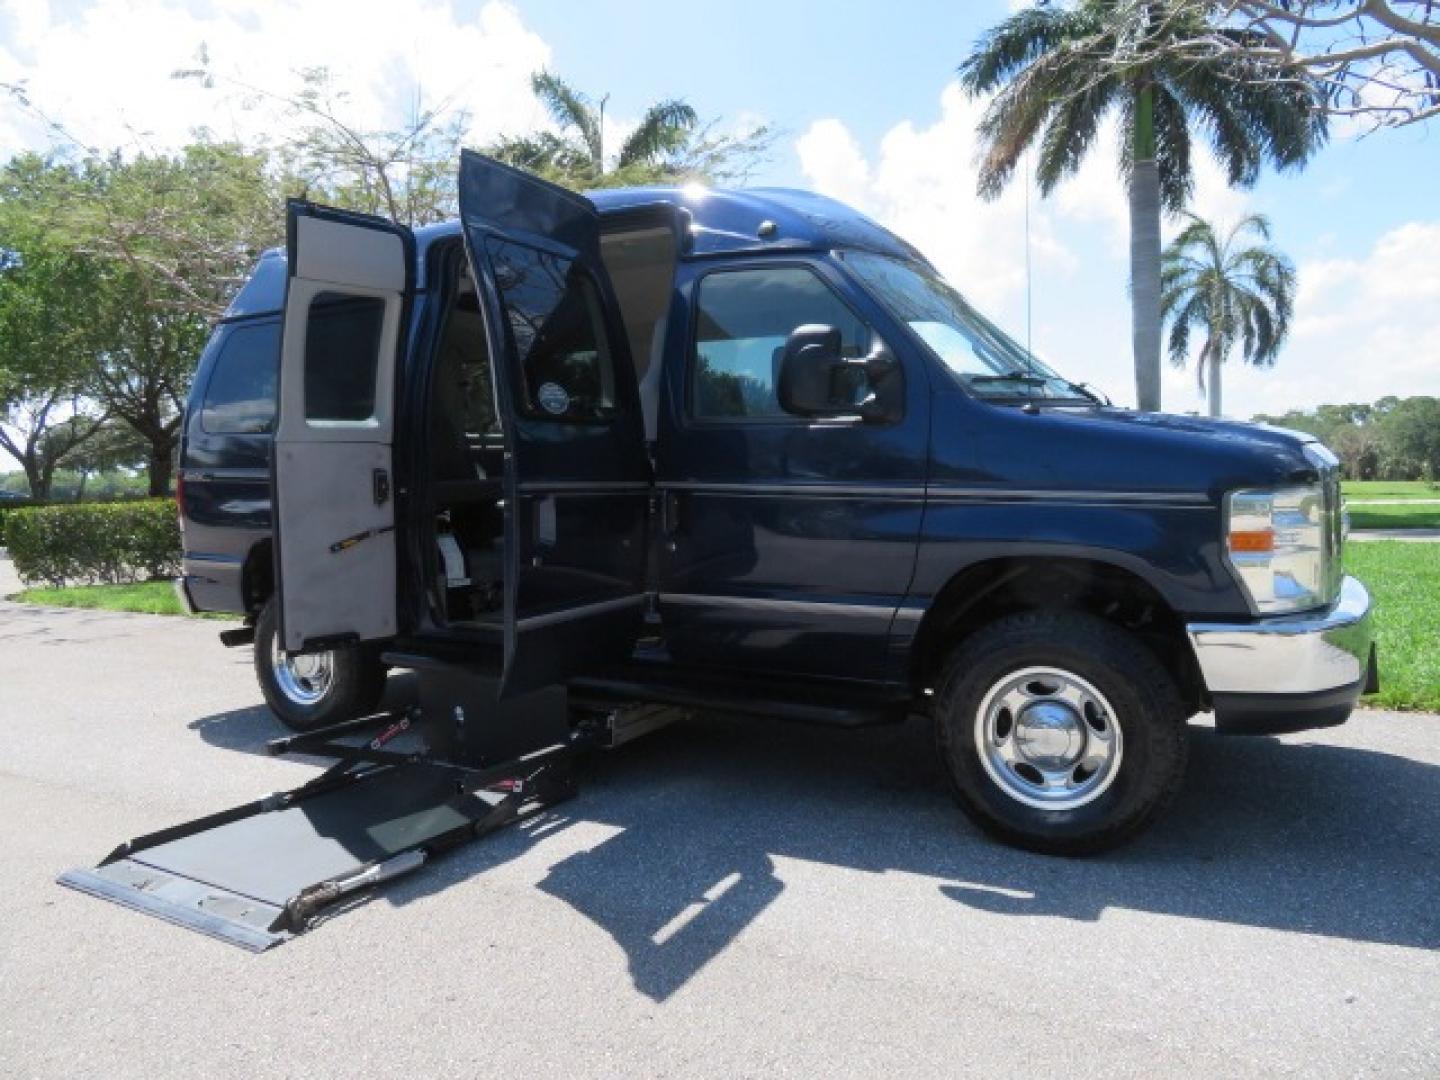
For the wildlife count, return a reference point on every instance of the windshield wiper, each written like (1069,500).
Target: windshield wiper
(1093,395)
(1024,380)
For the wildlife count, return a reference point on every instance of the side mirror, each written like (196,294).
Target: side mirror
(817,379)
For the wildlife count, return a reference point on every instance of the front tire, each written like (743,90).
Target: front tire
(1061,732)
(316,689)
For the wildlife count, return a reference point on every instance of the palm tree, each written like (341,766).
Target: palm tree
(576,155)
(1057,72)
(1235,293)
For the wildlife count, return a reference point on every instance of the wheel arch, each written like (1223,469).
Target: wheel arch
(1111,587)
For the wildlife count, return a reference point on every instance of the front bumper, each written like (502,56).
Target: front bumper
(1289,672)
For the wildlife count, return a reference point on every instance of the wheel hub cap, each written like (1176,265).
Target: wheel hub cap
(1049,735)
(304,679)
(1048,738)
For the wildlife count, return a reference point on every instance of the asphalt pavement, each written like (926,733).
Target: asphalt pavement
(724,898)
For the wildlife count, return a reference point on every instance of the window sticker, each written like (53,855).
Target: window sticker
(553,398)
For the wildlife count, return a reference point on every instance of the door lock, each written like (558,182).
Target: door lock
(381,481)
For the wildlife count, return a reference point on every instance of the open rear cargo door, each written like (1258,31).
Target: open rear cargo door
(577,480)
(345,306)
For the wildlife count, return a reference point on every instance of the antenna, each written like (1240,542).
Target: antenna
(1029,346)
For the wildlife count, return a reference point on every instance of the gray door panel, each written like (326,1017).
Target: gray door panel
(332,479)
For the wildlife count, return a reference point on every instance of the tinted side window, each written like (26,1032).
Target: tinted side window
(240,393)
(342,354)
(557,323)
(743,320)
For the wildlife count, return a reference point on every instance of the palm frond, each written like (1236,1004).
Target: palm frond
(664,127)
(571,111)
(1019,41)
(1172,150)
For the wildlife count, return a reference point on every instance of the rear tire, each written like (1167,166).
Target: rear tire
(1061,732)
(316,689)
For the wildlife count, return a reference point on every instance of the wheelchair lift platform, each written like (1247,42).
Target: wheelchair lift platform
(258,874)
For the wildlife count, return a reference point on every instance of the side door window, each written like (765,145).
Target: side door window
(555,318)
(743,318)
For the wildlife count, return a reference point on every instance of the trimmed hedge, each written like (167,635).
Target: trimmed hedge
(94,542)
(8,507)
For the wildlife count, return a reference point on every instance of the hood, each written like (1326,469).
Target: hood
(1107,449)
(1238,431)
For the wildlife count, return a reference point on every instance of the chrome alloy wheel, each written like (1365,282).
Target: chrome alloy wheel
(1048,738)
(304,679)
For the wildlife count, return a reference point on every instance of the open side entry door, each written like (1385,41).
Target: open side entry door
(576,495)
(350,284)
(577,478)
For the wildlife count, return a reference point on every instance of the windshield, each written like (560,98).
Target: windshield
(977,351)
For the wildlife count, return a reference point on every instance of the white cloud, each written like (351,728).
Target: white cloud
(104,70)
(921,185)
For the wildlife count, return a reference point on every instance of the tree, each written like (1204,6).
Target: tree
(669,145)
(1057,72)
(405,172)
(114,445)
(1376,60)
(1410,436)
(1234,292)
(47,327)
(1391,439)
(170,238)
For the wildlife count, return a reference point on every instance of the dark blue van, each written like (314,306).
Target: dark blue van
(746,450)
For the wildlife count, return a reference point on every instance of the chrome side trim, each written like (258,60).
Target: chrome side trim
(993,494)
(914,492)
(551,618)
(1289,654)
(213,557)
(580,487)
(941,493)
(196,474)
(797,607)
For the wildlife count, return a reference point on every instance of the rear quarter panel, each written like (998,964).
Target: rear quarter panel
(225,496)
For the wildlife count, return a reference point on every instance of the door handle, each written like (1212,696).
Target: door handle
(671,509)
(380,479)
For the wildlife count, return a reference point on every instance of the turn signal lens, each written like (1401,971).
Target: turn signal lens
(1254,540)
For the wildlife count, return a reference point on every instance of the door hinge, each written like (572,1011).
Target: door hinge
(381,481)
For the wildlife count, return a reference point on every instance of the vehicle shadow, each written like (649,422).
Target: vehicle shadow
(1317,839)
(248,730)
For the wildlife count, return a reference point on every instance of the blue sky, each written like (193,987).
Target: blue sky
(863,95)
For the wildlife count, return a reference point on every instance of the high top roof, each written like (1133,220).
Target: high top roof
(722,221)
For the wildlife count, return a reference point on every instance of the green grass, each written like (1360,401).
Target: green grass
(1395,517)
(1390,489)
(148,597)
(1404,579)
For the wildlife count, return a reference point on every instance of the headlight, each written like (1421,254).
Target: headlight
(1275,541)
